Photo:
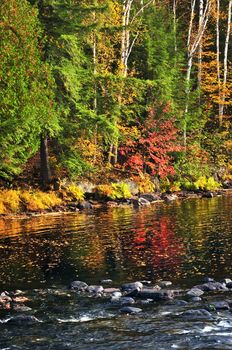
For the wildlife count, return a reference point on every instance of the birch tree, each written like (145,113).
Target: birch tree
(222,86)
(193,43)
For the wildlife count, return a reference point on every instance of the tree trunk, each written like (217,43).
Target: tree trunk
(45,172)
(221,107)
(201,12)
(218,60)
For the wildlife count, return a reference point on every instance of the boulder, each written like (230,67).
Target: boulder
(84,205)
(219,305)
(95,289)
(195,292)
(211,286)
(78,286)
(123,301)
(144,201)
(165,284)
(132,286)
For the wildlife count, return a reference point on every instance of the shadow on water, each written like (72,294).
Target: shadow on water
(180,241)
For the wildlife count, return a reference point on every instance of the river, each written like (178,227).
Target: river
(182,241)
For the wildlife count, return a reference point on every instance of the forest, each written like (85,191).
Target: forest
(112,90)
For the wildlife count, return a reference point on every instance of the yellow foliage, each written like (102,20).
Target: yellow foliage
(104,190)
(2,207)
(74,192)
(39,200)
(10,200)
(144,183)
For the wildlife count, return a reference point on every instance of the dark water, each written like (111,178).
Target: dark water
(182,242)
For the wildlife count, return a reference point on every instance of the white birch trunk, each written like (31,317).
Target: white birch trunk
(201,11)
(223,94)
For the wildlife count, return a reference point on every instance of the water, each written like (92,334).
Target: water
(181,241)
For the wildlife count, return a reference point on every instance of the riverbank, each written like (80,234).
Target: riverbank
(24,203)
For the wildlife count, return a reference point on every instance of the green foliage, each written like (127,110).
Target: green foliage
(206,184)
(75,192)
(120,190)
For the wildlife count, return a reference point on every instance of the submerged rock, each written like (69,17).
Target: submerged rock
(22,320)
(197,314)
(123,301)
(130,310)
(152,293)
(211,286)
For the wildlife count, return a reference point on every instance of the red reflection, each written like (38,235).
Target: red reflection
(157,247)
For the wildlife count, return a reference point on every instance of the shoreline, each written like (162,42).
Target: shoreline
(141,200)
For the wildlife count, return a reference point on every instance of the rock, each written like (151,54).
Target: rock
(21,299)
(207,279)
(197,314)
(152,293)
(84,205)
(95,289)
(150,197)
(133,293)
(211,286)
(145,282)
(111,290)
(107,281)
(196,299)
(229,285)
(195,292)
(219,305)
(123,301)
(165,284)
(207,194)
(130,310)
(117,294)
(21,308)
(21,320)
(169,197)
(78,286)
(146,301)
(132,286)
(226,281)
(5,299)
(143,201)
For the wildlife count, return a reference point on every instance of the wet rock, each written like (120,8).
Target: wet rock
(229,285)
(196,299)
(22,320)
(219,305)
(226,281)
(179,302)
(207,279)
(165,284)
(211,286)
(127,287)
(195,292)
(123,301)
(117,294)
(21,308)
(78,286)
(169,197)
(107,281)
(146,282)
(207,194)
(95,289)
(84,205)
(20,299)
(197,314)
(150,197)
(111,290)
(130,310)
(146,301)
(143,201)
(133,293)
(152,293)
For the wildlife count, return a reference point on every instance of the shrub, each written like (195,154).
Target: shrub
(104,191)
(75,192)
(120,190)
(206,184)
(33,201)
(144,183)
(10,200)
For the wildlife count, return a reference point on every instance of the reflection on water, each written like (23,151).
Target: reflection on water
(181,241)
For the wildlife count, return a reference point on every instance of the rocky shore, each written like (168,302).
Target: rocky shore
(200,302)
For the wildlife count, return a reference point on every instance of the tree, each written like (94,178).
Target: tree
(27,109)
